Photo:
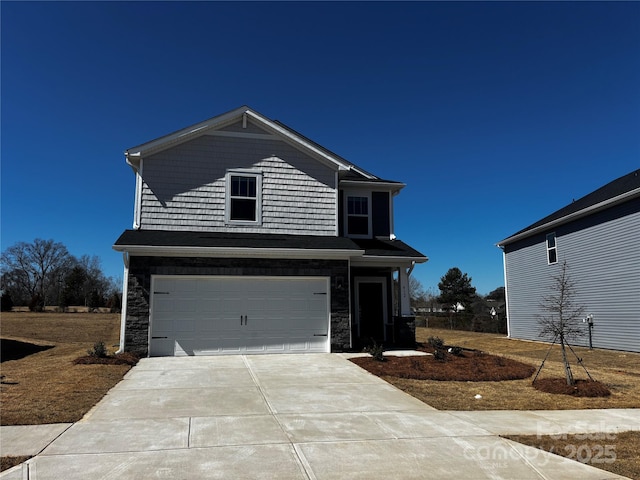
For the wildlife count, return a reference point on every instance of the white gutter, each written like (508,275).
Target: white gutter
(395,186)
(231,252)
(366,260)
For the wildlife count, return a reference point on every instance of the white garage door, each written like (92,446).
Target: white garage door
(195,315)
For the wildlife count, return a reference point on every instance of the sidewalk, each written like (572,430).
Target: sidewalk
(30,440)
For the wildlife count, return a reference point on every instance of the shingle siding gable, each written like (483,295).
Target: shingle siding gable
(184,187)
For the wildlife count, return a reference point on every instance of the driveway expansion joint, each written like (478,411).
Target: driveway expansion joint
(309,417)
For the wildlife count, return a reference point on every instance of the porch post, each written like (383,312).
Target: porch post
(405,299)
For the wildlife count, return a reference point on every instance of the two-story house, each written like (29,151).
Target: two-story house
(250,238)
(598,236)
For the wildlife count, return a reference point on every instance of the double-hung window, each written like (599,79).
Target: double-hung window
(243,197)
(358,215)
(552,254)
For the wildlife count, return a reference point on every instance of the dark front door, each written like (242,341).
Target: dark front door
(371,310)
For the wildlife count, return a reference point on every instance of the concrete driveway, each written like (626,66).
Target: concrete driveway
(315,416)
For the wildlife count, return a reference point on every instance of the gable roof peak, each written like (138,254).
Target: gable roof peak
(244,112)
(617,191)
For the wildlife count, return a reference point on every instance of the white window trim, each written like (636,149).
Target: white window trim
(257,174)
(356,193)
(554,248)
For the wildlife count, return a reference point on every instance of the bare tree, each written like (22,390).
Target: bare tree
(563,318)
(35,267)
(416,292)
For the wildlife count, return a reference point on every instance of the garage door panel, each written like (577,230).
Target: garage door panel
(184,325)
(163,346)
(183,305)
(227,315)
(207,304)
(163,303)
(185,285)
(208,325)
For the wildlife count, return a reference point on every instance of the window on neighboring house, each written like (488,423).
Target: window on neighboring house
(243,197)
(358,218)
(552,254)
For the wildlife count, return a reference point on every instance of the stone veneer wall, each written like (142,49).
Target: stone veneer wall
(139,286)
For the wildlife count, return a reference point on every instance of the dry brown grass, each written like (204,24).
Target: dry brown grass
(619,371)
(619,453)
(46,387)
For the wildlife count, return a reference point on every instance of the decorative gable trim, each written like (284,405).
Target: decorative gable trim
(213,125)
(254,136)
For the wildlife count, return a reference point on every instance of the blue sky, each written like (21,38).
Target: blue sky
(494,114)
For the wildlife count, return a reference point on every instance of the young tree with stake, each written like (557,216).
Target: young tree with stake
(563,318)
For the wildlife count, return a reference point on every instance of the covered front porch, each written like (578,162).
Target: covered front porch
(380,296)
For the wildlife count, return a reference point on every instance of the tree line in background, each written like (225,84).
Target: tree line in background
(458,303)
(43,273)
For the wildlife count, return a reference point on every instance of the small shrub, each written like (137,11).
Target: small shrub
(436,342)
(376,351)
(99,350)
(440,355)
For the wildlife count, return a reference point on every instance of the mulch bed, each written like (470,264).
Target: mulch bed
(582,388)
(468,366)
(125,358)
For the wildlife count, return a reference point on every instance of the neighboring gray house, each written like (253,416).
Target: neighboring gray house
(250,238)
(599,238)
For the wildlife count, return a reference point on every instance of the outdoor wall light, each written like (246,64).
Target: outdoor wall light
(589,322)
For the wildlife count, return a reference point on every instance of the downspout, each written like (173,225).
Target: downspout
(405,297)
(413,264)
(137,215)
(337,190)
(136,164)
(506,292)
(125,292)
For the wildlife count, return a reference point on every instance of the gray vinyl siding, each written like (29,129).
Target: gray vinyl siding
(603,255)
(184,187)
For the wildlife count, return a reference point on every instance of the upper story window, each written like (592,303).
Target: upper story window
(552,254)
(243,197)
(358,218)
